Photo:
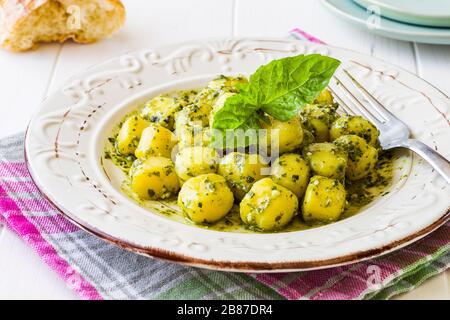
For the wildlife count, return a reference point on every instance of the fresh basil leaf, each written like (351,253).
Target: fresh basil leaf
(280,89)
(236,111)
(240,137)
(283,86)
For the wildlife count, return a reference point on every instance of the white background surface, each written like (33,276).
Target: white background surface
(25,79)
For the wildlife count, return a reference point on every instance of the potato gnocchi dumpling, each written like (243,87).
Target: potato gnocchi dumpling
(355,125)
(155,141)
(197,113)
(206,198)
(268,206)
(194,115)
(202,106)
(194,161)
(154,178)
(308,138)
(227,84)
(161,110)
(326,159)
(292,172)
(324,200)
(318,119)
(325,97)
(362,157)
(130,133)
(192,136)
(242,171)
(288,135)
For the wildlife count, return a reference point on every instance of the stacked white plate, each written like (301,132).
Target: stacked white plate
(416,20)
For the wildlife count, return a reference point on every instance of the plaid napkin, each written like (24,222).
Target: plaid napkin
(97,270)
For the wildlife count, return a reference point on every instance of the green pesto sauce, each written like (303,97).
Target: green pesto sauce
(362,192)
(359,194)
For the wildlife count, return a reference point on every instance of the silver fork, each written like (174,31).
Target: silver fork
(394,133)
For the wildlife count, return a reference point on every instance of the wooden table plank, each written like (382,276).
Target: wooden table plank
(164,22)
(434,65)
(24,79)
(269,18)
(23,275)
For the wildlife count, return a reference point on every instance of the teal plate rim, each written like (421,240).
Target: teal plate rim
(356,14)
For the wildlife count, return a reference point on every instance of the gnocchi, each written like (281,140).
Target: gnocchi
(161,110)
(188,136)
(325,98)
(324,200)
(326,159)
(292,172)
(194,161)
(318,119)
(226,84)
(362,157)
(268,206)
(130,133)
(355,125)
(155,141)
(284,136)
(206,198)
(242,171)
(154,178)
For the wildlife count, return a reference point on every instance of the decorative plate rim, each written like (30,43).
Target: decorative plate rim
(246,266)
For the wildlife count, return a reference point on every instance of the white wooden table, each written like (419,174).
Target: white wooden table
(25,79)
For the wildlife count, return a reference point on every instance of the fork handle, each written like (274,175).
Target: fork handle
(438,162)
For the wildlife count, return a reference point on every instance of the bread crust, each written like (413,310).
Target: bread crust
(15,12)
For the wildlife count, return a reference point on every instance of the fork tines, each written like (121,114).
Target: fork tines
(354,98)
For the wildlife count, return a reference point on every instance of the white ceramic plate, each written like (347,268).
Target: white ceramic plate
(434,13)
(65,140)
(359,16)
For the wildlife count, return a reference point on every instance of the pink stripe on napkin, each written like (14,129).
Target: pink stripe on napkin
(18,168)
(307,36)
(54,224)
(15,219)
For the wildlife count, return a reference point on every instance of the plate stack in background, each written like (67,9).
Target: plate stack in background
(416,20)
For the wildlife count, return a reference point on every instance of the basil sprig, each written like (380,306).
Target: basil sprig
(280,89)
